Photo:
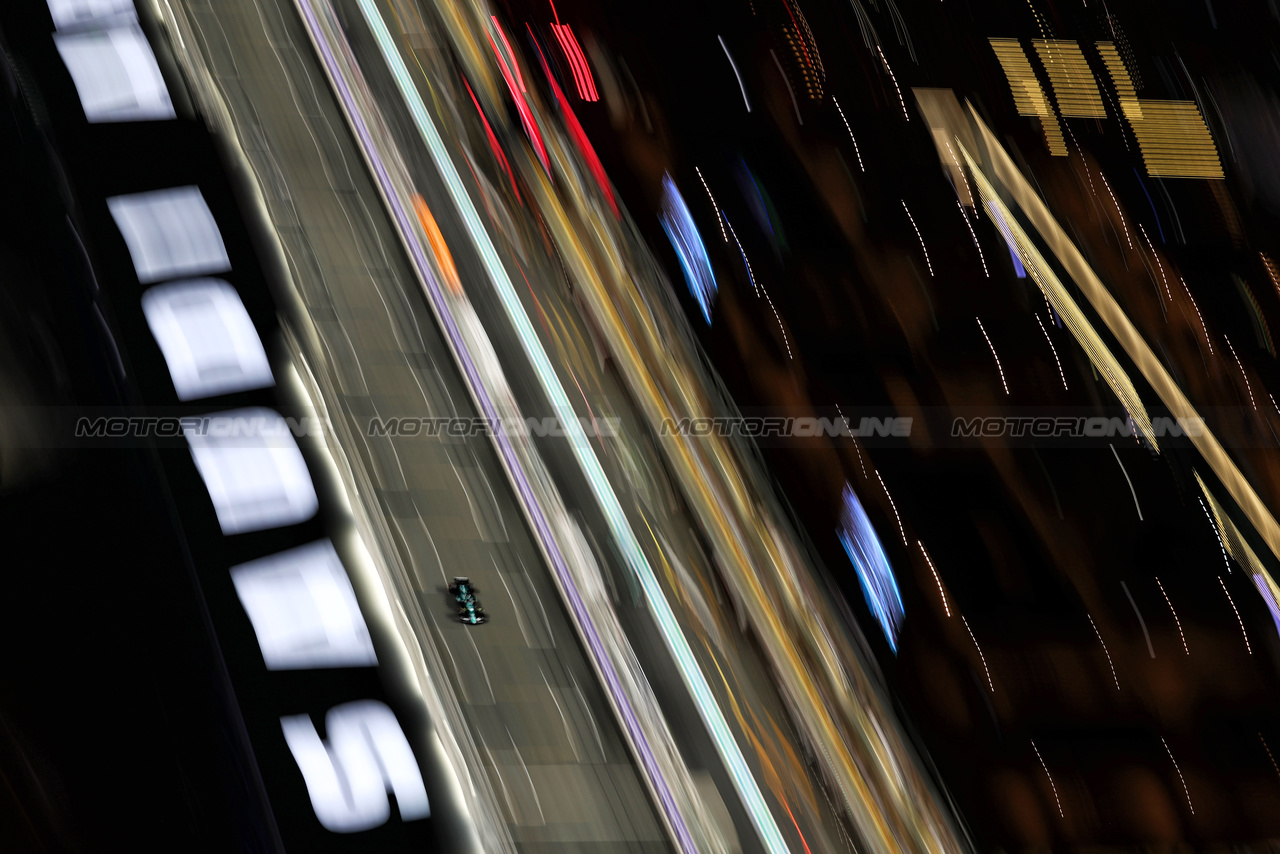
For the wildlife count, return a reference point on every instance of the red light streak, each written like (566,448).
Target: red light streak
(577,61)
(515,84)
(576,132)
(493,141)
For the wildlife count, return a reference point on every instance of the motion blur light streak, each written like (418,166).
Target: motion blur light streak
(746,262)
(1208,342)
(978,246)
(1105,651)
(444,258)
(515,85)
(1213,523)
(1159,265)
(303,609)
(116,75)
(1243,375)
(348,779)
(941,592)
(1123,223)
(901,101)
(734,66)
(919,237)
(1061,374)
(719,217)
(983,658)
(787,83)
(71,13)
(493,141)
(1028,96)
(1073,84)
(1270,755)
(759,288)
(677,222)
(1183,779)
(896,515)
(853,139)
(577,61)
(872,565)
(207,339)
(1235,544)
(1141,622)
(1132,491)
(1176,621)
(257,479)
(170,233)
(695,680)
(994,354)
(1236,611)
(1062,303)
(578,135)
(1052,785)
(1172,135)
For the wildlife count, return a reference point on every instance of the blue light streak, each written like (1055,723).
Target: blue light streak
(677,222)
(874,573)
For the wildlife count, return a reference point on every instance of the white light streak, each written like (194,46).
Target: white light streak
(759,288)
(941,593)
(1240,365)
(895,83)
(850,130)
(1176,621)
(750,274)
(1185,790)
(993,353)
(990,684)
(1050,776)
(1130,482)
(854,441)
(1267,748)
(976,244)
(734,66)
(1159,266)
(719,218)
(787,83)
(1203,328)
(895,509)
(1247,645)
(1123,224)
(1105,651)
(923,248)
(1052,349)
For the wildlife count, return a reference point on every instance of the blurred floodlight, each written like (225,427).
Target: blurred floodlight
(303,610)
(253,470)
(170,233)
(348,779)
(207,338)
(115,74)
(70,13)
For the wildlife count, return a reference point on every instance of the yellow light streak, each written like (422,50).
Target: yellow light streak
(1073,85)
(1028,95)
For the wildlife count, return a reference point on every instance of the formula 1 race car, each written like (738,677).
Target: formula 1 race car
(469,610)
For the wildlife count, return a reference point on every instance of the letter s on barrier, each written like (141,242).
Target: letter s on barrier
(348,778)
